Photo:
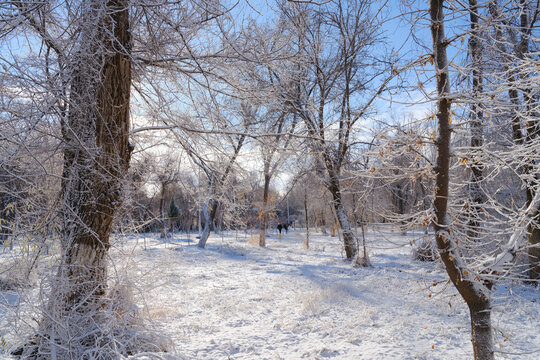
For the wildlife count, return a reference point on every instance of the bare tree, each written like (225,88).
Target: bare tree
(328,78)
(217,179)
(475,293)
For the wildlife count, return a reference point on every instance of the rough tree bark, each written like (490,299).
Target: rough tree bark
(476,294)
(96,158)
(97,151)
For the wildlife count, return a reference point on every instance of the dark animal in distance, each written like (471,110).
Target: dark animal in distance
(284,226)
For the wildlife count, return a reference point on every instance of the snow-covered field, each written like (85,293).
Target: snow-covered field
(236,301)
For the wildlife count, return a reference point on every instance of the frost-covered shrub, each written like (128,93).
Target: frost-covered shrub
(424,250)
(16,274)
(113,329)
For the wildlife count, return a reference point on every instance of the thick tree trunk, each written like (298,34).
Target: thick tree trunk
(481,331)
(96,159)
(97,152)
(475,293)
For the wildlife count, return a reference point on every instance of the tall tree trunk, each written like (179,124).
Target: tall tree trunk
(264,210)
(5,216)
(209,218)
(475,293)
(306,217)
(532,133)
(97,152)
(534,241)
(475,193)
(400,199)
(96,159)
(207,221)
(349,241)
(163,221)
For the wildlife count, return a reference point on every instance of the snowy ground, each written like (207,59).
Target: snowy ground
(236,301)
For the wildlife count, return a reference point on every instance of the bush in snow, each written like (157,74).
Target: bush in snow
(424,250)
